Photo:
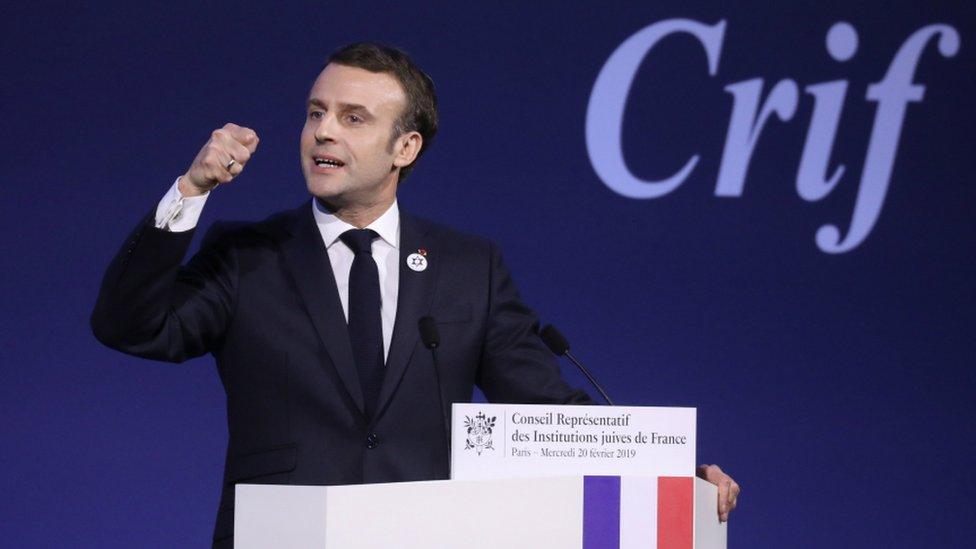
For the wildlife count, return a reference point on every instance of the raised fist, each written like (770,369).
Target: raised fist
(221,159)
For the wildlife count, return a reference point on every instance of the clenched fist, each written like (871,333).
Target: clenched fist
(220,160)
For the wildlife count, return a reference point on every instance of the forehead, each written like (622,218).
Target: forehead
(340,84)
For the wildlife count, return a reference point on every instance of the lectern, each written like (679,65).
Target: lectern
(522,476)
(588,512)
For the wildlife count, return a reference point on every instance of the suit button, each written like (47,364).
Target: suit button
(372,441)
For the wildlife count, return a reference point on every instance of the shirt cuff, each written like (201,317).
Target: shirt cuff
(177,213)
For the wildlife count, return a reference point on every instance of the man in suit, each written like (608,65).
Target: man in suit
(312,314)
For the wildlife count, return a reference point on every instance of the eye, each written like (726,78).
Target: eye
(315,115)
(354,118)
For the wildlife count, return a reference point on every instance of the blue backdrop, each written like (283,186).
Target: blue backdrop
(835,385)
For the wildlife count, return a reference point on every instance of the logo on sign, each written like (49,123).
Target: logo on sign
(479,432)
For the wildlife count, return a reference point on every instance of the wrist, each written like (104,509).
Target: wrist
(188,189)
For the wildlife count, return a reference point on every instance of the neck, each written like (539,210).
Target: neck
(357,215)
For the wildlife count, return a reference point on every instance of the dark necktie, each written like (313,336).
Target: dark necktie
(365,324)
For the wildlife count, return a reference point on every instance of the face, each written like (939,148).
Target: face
(347,156)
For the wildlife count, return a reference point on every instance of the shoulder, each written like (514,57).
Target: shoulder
(445,238)
(269,231)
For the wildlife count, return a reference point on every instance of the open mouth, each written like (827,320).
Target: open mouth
(327,162)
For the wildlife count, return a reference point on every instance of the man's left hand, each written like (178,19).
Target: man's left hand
(728,489)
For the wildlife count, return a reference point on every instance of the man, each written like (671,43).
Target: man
(312,314)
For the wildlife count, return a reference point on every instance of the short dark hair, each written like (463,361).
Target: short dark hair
(420,114)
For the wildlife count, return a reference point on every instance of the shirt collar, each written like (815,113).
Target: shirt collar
(331,227)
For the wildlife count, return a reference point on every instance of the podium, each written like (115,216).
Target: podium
(586,512)
(522,476)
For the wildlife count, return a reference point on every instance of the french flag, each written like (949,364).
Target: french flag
(615,512)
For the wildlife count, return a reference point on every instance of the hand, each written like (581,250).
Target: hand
(728,489)
(220,160)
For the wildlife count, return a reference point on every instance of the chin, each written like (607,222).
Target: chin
(323,189)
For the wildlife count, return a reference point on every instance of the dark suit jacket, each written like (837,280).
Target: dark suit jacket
(263,300)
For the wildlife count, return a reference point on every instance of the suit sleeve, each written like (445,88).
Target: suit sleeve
(150,306)
(516,366)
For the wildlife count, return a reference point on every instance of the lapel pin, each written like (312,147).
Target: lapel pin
(417,261)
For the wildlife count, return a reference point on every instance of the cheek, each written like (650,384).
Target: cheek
(307,135)
(376,149)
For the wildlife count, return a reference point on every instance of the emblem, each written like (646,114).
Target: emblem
(479,432)
(416,262)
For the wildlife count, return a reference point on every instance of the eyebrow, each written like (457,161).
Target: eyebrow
(342,106)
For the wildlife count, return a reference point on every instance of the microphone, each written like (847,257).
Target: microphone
(560,347)
(431,338)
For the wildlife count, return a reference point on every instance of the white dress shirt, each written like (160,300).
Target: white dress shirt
(176,213)
(386,254)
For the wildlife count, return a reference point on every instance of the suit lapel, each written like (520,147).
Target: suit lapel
(416,289)
(309,263)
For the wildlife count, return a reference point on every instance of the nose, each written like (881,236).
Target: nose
(325,129)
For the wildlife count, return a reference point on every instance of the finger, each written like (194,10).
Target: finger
(245,136)
(211,164)
(221,154)
(218,176)
(229,157)
(234,168)
(250,140)
(723,500)
(222,171)
(232,147)
(239,154)
(734,491)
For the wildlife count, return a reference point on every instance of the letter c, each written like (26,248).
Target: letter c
(605,112)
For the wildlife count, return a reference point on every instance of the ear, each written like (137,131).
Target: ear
(407,148)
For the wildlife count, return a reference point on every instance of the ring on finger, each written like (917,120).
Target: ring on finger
(231,164)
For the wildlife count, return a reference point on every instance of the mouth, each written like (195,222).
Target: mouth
(327,163)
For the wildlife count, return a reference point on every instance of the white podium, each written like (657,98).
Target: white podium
(593,512)
(522,476)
